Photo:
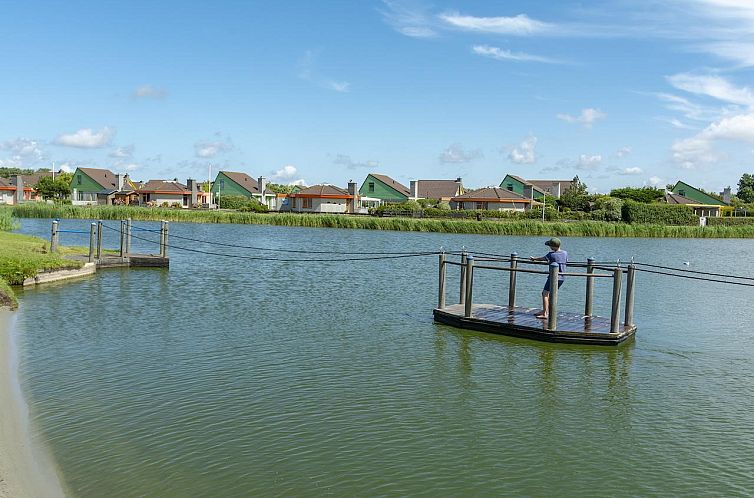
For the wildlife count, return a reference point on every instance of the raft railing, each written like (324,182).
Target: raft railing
(95,238)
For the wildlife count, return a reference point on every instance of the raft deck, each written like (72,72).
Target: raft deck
(522,322)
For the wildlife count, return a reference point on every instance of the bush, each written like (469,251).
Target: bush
(646,195)
(731,222)
(607,209)
(658,214)
(241,203)
(536,214)
(175,205)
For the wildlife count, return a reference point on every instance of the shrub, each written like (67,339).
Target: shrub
(175,205)
(242,203)
(646,195)
(731,222)
(658,214)
(607,209)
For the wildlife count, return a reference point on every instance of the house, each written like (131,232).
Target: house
(697,196)
(88,184)
(492,198)
(437,190)
(324,199)
(384,188)
(8,192)
(537,188)
(234,183)
(166,193)
(20,188)
(700,209)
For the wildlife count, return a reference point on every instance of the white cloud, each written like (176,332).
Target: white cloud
(456,154)
(632,171)
(65,169)
(24,153)
(587,117)
(339,86)
(502,54)
(307,72)
(408,21)
(287,175)
(697,150)
(207,149)
(589,162)
(655,181)
(122,152)
(345,160)
(149,92)
(624,151)
(86,138)
(712,86)
(525,152)
(520,25)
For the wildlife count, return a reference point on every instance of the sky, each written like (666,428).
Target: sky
(620,93)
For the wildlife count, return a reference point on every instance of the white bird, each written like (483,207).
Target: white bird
(687,263)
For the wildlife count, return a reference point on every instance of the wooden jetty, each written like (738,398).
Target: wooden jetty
(518,321)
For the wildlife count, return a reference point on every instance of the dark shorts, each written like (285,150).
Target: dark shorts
(547,285)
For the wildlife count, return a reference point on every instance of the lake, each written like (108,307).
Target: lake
(239,377)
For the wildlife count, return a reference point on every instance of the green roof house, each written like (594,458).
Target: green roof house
(689,192)
(384,188)
(240,184)
(88,182)
(522,187)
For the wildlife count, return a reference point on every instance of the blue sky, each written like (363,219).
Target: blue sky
(619,92)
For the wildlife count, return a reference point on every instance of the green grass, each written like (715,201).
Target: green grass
(490,227)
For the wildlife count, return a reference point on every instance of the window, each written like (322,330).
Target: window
(306,203)
(510,187)
(222,183)
(371,186)
(78,179)
(481,205)
(682,192)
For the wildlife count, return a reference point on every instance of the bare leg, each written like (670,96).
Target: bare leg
(545,305)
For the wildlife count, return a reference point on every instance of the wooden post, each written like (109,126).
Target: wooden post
(552,317)
(99,239)
(462,294)
(165,247)
(441,283)
(615,310)
(512,284)
(589,287)
(122,238)
(628,319)
(54,237)
(92,240)
(162,239)
(128,236)
(469,285)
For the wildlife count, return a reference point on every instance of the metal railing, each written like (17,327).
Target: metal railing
(468,266)
(95,238)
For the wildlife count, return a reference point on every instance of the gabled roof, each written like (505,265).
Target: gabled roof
(437,189)
(526,183)
(104,177)
(491,194)
(243,180)
(672,198)
(4,182)
(164,187)
(322,190)
(710,200)
(392,183)
(543,184)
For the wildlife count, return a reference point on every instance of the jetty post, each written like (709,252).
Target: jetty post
(512,284)
(164,239)
(552,317)
(469,285)
(441,283)
(128,236)
(589,287)
(122,238)
(54,237)
(92,240)
(628,319)
(615,309)
(462,294)
(99,239)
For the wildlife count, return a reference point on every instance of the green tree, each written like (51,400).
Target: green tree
(577,197)
(58,189)
(643,194)
(8,172)
(280,188)
(746,188)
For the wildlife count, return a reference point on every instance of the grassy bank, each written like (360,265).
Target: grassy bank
(23,256)
(490,227)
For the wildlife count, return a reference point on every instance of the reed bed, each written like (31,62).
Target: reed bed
(486,227)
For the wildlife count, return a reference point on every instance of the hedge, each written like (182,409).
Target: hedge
(731,222)
(658,214)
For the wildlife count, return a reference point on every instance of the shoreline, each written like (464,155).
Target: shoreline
(27,468)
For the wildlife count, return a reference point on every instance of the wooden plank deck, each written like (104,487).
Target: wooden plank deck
(130,260)
(522,322)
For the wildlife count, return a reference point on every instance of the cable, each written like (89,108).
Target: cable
(683,270)
(691,277)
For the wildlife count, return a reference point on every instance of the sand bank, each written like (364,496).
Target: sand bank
(26,471)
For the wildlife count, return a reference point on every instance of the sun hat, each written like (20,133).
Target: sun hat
(553,242)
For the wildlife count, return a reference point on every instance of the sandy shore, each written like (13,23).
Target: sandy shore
(25,470)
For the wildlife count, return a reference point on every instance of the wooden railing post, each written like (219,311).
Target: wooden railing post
(441,283)
(469,285)
(552,317)
(99,239)
(165,246)
(122,238)
(462,297)
(128,236)
(92,240)
(615,310)
(512,284)
(162,239)
(628,319)
(589,287)
(54,237)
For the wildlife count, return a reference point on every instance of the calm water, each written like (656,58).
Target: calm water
(229,377)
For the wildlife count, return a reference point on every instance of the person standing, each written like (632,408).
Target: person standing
(556,255)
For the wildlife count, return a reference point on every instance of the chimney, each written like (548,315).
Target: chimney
(192,187)
(119,181)
(726,195)
(414,189)
(353,191)
(556,190)
(459,188)
(262,181)
(19,189)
